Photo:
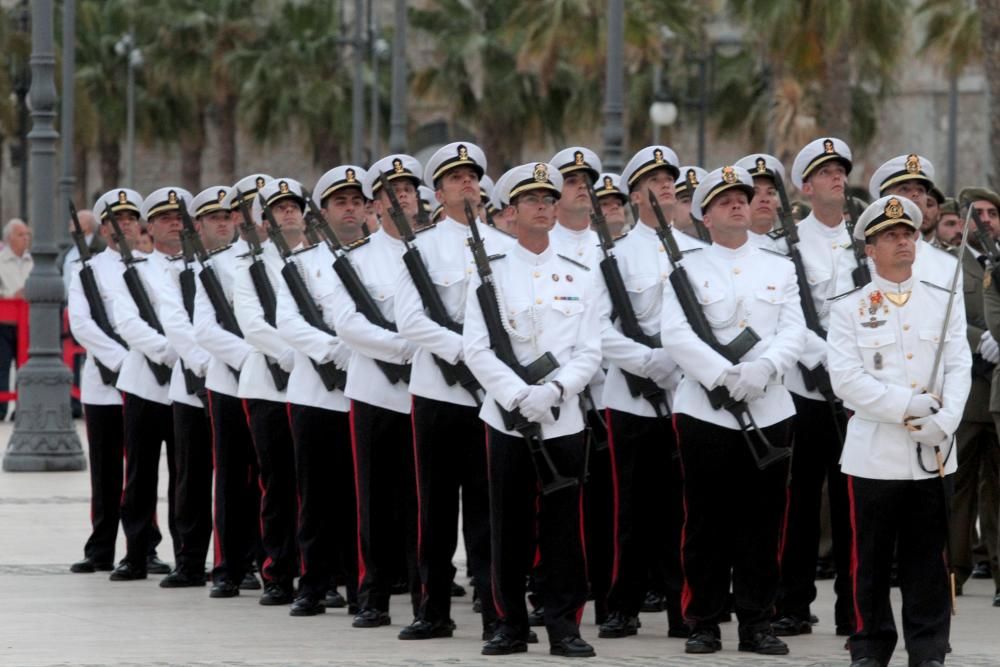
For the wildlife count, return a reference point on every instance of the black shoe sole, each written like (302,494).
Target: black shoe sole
(521,648)
(164,583)
(371,624)
(274,602)
(133,577)
(804,629)
(750,649)
(441,633)
(311,611)
(616,634)
(221,595)
(702,650)
(555,650)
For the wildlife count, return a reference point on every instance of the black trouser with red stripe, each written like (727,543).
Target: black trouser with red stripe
(193,492)
(650,510)
(817,445)
(237,511)
(907,518)
(324,472)
(272,440)
(599,513)
(449,443)
(385,480)
(515,506)
(105,444)
(733,517)
(147,425)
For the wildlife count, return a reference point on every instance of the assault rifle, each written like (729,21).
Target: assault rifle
(355,288)
(763,452)
(429,296)
(549,476)
(224,314)
(815,379)
(93,294)
(261,285)
(332,377)
(623,310)
(133,281)
(861,275)
(192,383)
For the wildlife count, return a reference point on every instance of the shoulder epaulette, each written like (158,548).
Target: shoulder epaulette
(573,262)
(499,255)
(421,230)
(775,252)
(847,293)
(357,244)
(175,258)
(212,253)
(930,284)
(689,250)
(503,232)
(619,238)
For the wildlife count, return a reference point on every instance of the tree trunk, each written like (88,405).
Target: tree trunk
(835,109)
(989,17)
(226,127)
(109,150)
(192,145)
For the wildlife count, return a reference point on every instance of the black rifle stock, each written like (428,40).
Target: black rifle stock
(133,281)
(764,453)
(814,379)
(429,296)
(262,286)
(549,476)
(700,229)
(623,310)
(363,301)
(861,275)
(98,313)
(332,377)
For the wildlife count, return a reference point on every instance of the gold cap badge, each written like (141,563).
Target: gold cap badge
(541,173)
(658,156)
(692,177)
(350,176)
(894,209)
(463,152)
(578,158)
(260,182)
(397,166)
(221,195)
(608,183)
(912,164)
(828,145)
(122,197)
(729,175)
(172,197)
(761,165)
(283,187)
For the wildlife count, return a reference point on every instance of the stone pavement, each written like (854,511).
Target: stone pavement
(50,617)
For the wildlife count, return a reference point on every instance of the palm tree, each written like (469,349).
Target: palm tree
(827,59)
(293,78)
(989,15)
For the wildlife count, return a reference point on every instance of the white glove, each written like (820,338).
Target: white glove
(988,348)
(341,356)
(922,405)
(168,357)
(753,378)
(730,380)
(925,430)
(659,366)
(287,361)
(672,380)
(537,404)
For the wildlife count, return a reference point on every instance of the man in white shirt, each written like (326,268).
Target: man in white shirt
(15,265)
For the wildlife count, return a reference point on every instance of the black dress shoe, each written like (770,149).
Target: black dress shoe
(789,626)
(457,591)
(982,571)
(250,582)
(334,600)
(619,625)
(224,589)
(180,579)
(813,619)
(275,594)
(654,602)
(306,605)
(126,571)
(371,618)
(572,647)
(866,662)
(536,618)
(421,629)
(703,641)
(996,599)
(763,642)
(503,644)
(530,638)
(156,566)
(87,566)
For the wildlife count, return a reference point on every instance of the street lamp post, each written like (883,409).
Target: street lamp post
(614,93)
(67,181)
(133,60)
(20,83)
(397,115)
(43,437)
(358,87)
